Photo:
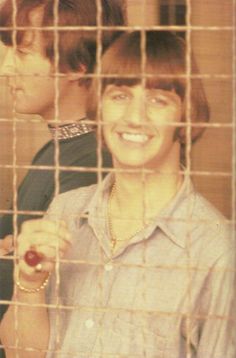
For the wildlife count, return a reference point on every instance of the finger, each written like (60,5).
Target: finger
(52,251)
(42,225)
(7,243)
(3,252)
(58,239)
(49,253)
(44,238)
(32,272)
(48,266)
(36,240)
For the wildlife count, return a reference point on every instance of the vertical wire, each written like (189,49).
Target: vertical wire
(57,152)
(172,12)
(143,39)
(14,159)
(188,116)
(234,119)
(99,129)
(188,163)
(234,144)
(99,90)
(233,218)
(56,88)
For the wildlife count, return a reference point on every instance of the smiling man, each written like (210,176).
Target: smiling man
(31,69)
(123,106)
(141,258)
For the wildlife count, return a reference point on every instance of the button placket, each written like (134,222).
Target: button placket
(108,266)
(89,323)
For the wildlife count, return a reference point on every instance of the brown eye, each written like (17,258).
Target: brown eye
(119,96)
(157,100)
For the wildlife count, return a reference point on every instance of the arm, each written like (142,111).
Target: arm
(6,267)
(217,304)
(82,153)
(27,325)
(18,328)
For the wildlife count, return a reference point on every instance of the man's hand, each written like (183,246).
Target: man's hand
(49,239)
(6,245)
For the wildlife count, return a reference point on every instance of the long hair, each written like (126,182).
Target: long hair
(163,66)
(76,47)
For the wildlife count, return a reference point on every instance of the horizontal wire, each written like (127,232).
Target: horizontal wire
(190,172)
(143,124)
(113,170)
(127,76)
(118,28)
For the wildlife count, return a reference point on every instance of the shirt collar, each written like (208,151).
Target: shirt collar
(96,208)
(70,130)
(173,220)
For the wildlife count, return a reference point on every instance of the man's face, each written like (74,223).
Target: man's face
(29,78)
(139,124)
(30,74)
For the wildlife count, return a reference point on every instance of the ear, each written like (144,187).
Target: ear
(75,76)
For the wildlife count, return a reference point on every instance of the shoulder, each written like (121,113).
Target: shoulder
(203,209)
(206,213)
(83,151)
(210,228)
(72,202)
(44,150)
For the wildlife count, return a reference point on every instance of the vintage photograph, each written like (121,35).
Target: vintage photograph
(117,178)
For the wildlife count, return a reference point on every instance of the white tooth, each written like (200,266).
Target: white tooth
(135,137)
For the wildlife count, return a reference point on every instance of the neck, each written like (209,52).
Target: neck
(135,200)
(71,107)
(144,195)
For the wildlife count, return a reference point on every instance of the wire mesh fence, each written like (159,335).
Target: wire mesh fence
(166,292)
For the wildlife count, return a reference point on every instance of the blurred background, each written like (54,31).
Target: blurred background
(212,38)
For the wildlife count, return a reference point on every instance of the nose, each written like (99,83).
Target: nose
(135,115)
(8,66)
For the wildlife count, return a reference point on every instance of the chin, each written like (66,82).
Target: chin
(131,164)
(22,109)
(26,110)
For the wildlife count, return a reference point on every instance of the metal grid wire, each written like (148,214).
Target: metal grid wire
(189,28)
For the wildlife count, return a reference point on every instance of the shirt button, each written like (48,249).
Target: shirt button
(108,267)
(89,323)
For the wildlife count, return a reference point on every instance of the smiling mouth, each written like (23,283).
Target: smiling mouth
(139,138)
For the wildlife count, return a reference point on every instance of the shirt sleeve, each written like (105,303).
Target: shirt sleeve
(217,320)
